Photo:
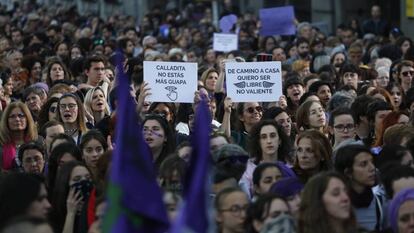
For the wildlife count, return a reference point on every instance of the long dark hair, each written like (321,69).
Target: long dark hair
(17,192)
(43,117)
(61,192)
(255,149)
(312,209)
(169,145)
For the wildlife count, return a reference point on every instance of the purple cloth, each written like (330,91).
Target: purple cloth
(394,207)
(227,22)
(134,198)
(277,21)
(287,187)
(194,216)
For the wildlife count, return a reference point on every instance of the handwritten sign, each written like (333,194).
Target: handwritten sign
(171,81)
(225,42)
(254,81)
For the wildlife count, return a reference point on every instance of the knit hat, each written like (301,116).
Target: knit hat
(230,151)
(287,187)
(399,199)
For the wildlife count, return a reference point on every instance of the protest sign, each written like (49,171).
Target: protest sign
(171,81)
(254,81)
(277,21)
(225,42)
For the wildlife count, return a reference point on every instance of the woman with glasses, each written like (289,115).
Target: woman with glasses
(248,114)
(326,206)
(48,112)
(341,126)
(266,208)
(74,191)
(313,154)
(405,73)
(167,110)
(16,128)
(96,106)
(93,145)
(159,137)
(72,114)
(231,205)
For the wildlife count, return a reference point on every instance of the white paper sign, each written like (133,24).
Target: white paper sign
(173,82)
(225,42)
(254,81)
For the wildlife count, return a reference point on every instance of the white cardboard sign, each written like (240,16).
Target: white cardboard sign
(254,81)
(225,42)
(173,82)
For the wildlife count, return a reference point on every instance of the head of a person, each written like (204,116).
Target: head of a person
(94,69)
(232,158)
(48,112)
(14,59)
(313,152)
(32,157)
(33,64)
(49,132)
(326,196)
(92,145)
(158,135)
(231,206)
(217,139)
(347,36)
(290,189)
(405,72)
(172,172)
(376,112)
(281,117)
(359,107)
(23,194)
(397,95)
(338,59)
(293,89)
(383,78)
(401,211)
(303,48)
(71,111)
(33,97)
(268,139)
(168,110)
(349,75)
(264,209)
(71,175)
(209,78)
(323,90)
(56,70)
(396,177)
(341,124)
(356,162)
(404,43)
(249,113)
(95,101)
(264,176)
(310,115)
(17,118)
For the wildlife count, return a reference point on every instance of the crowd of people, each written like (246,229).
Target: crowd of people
(333,154)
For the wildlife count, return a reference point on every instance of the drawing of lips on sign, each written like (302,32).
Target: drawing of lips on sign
(172,95)
(265,84)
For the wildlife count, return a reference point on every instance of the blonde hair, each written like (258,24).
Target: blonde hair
(299,65)
(30,133)
(87,103)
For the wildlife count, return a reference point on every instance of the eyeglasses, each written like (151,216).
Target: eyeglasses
(251,109)
(70,106)
(19,115)
(236,210)
(53,109)
(31,160)
(405,73)
(163,113)
(343,127)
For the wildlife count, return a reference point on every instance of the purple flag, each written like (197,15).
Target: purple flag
(227,22)
(134,197)
(277,21)
(194,213)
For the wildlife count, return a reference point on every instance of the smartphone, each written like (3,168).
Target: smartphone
(264,57)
